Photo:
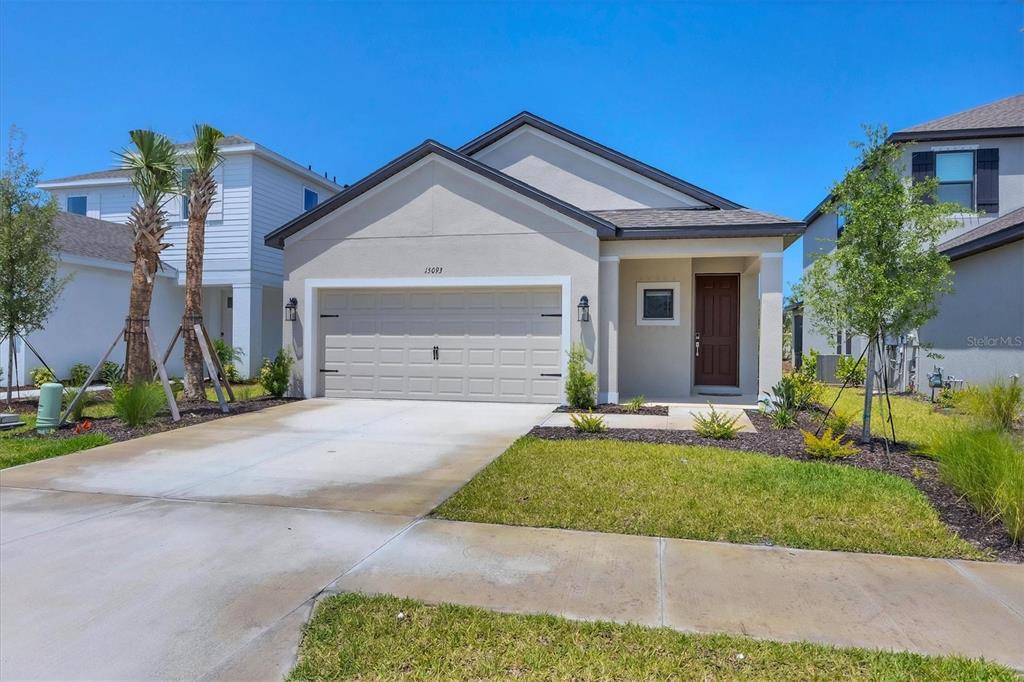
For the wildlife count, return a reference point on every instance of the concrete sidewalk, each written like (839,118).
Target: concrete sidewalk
(930,606)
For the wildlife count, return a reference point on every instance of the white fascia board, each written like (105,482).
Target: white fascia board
(710,247)
(91,182)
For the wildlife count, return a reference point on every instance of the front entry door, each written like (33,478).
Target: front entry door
(717,330)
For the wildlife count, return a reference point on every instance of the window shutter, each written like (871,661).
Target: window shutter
(988,181)
(922,167)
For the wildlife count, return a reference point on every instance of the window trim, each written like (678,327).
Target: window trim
(67,203)
(183,179)
(641,321)
(973,182)
(305,189)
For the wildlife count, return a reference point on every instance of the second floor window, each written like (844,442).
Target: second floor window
(955,171)
(79,205)
(309,199)
(186,173)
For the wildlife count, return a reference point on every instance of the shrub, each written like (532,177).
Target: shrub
(634,404)
(827,446)
(949,397)
(580,385)
(79,373)
(275,375)
(40,376)
(851,371)
(231,373)
(986,466)
(715,424)
(587,422)
(782,418)
(111,373)
(998,405)
(177,388)
(69,397)
(809,366)
(226,353)
(137,404)
(794,392)
(839,422)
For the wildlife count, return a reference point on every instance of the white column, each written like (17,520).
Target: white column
(608,319)
(246,326)
(769,364)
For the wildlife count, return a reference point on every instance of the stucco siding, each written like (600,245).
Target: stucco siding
(576,176)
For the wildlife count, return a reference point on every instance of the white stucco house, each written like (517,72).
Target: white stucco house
(465,274)
(978,157)
(257,191)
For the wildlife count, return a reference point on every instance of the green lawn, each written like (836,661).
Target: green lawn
(703,493)
(15,451)
(358,637)
(915,420)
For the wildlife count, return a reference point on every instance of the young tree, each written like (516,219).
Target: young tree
(201,189)
(885,273)
(153,164)
(29,284)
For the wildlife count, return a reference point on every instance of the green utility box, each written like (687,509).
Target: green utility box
(50,399)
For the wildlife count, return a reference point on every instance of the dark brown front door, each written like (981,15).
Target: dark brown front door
(717,330)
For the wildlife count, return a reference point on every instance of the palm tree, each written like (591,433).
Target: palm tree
(153,167)
(201,190)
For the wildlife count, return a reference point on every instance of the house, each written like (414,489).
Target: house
(978,156)
(257,190)
(465,274)
(98,256)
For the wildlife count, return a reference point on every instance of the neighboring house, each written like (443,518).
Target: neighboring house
(257,190)
(466,274)
(978,156)
(98,255)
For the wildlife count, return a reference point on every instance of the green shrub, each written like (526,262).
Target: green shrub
(69,397)
(717,425)
(793,392)
(809,366)
(634,404)
(851,371)
(231,373)
(580,385)
(782,418)
(275,375)
(40,376)
(986,466)
(226,353)
(839,422)
(827,446)
(998,405)
(79,373)
(587,422)
(111,373)
(950,398)
(137,404)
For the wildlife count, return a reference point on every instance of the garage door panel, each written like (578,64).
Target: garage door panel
(492,344)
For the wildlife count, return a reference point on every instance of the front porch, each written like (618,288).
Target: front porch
(687,322)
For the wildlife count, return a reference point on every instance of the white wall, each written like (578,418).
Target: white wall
(112,203)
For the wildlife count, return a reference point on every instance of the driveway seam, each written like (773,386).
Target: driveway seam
(141,501)
(985,588)
(661,582)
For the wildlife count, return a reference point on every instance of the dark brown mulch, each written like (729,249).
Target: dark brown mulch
(614,408)
(955,511)
(191,414)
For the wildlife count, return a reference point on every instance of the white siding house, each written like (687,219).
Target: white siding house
(257,191)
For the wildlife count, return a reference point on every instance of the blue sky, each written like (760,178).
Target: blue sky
(754,101)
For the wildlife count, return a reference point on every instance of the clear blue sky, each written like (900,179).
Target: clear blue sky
(754,101)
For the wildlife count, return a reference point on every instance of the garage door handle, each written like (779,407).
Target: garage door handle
(328,371)
(328,316)
(436,353)
(556,374)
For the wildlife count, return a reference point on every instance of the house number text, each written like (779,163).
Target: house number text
(433,270)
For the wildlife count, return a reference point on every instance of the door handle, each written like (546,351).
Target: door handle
(436,357)
(696,345)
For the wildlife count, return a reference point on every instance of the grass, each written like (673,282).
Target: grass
(358,637)
(915,420)
(15,451)
(703,493)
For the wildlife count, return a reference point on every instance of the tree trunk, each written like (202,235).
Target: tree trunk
(149,231)
(869,387)
(10,364)
(202,191)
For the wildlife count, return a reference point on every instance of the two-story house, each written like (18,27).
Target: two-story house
(257,191)
(978,157)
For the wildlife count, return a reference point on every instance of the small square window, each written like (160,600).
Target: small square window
(309,199)
(658,304)
(79,205)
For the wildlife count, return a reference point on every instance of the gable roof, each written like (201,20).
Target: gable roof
(277,237)
(668,223)
(79,235)
(1002,230)
(1001,118)
(596,148)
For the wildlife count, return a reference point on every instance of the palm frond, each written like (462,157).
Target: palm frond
(205,156)
(152,164)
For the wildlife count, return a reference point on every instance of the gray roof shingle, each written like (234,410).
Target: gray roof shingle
(1004,113)
(1002,230)
(687,217)
(82,236)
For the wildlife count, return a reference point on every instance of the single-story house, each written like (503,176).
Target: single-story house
(466,274)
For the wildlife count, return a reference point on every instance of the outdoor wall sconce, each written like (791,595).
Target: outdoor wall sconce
(289,309)
(584,309)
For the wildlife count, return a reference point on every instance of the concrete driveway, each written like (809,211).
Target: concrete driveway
(196,553)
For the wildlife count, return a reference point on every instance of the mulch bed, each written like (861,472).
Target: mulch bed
(191,413)
(956,512)
(614,408)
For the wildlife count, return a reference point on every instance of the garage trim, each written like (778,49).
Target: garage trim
(311,302)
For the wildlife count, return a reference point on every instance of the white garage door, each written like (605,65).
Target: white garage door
(499,344)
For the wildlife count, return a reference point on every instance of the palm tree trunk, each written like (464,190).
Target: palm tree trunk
(203,190)
(149,230)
